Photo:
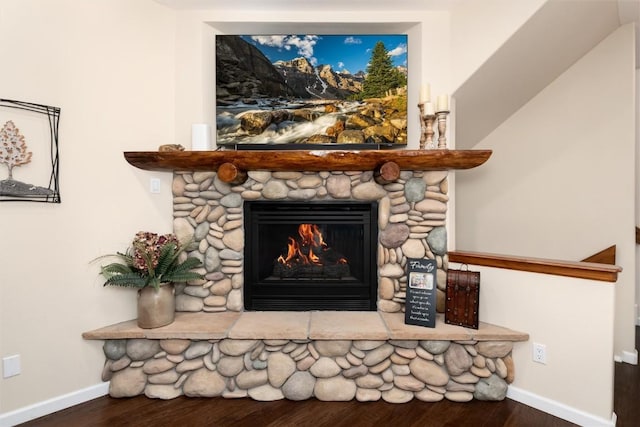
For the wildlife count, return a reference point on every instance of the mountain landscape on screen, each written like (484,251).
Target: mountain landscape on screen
(311,89)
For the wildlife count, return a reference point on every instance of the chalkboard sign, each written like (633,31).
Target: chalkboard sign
(420,308)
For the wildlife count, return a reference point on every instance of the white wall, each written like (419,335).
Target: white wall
(560,183)
(524,64)
(109,65)
(479,28)
(637,92)
(574,319)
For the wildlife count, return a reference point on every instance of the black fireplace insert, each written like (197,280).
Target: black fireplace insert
(310,255)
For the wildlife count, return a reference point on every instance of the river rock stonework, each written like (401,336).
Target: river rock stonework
(266,370)
(411,223)
(209,212)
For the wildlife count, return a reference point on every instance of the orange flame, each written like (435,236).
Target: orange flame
(310,239)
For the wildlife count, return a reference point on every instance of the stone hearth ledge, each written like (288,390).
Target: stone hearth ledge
(314,325)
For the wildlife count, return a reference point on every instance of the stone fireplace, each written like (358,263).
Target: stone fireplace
(216,347)
(409,223)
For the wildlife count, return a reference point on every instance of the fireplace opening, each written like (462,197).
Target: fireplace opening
(310,255)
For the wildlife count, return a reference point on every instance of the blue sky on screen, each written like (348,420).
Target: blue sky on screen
(350,52)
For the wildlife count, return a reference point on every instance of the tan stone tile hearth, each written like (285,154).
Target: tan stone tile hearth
(347,325)
(316,325)
(399,331)
(292,325)
(200,325)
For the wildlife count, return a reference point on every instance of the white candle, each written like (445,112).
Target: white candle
(425,93)
(428,109)
(443,103)
(200,137)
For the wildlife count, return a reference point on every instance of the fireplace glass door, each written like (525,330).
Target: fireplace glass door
(310,256)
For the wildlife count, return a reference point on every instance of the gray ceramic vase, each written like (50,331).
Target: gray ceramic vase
(156,307)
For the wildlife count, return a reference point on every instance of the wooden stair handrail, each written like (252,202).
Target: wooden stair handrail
(581,270)
(605,256)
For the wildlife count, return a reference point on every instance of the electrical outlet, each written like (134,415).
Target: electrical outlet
(11,366)
(539,353)
(154,185)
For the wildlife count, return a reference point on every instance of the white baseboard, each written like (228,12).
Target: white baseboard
(630,357)
(559,410)
(50,406)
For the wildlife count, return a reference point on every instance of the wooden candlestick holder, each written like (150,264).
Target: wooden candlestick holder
(427,132)
(442,128)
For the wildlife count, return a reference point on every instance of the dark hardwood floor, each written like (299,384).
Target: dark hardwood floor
(183,411)
(195,412)
(627,392)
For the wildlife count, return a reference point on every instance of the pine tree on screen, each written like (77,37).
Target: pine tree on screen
(381,74)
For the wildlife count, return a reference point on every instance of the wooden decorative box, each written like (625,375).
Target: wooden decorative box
(462,298)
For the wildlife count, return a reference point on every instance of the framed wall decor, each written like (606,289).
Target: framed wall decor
(28,152)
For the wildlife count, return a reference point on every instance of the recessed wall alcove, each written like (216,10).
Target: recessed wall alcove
(413,30)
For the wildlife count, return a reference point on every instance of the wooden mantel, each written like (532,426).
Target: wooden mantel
(294,160)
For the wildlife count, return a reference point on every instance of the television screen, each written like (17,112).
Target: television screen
(311,89)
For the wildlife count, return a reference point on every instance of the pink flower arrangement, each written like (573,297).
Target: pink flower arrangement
(147,248)
(151,260)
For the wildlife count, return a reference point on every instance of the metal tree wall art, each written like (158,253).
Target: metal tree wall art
(18,150)
(13,149)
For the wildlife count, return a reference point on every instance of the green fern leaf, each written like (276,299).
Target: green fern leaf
(188,264)
(182,276)
(165,259)
(132,280)
(114,269)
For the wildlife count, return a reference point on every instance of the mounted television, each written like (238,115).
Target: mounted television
(296,91)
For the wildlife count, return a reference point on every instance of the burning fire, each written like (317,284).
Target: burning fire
(309,256)
(308,248)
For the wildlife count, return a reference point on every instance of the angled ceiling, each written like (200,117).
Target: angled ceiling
(553,39)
